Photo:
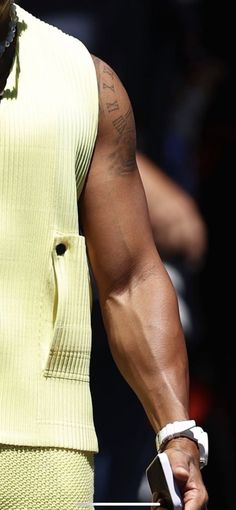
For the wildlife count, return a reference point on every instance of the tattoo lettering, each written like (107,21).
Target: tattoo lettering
(107,70)
(121,122)
(112,107)
(122,159)
(110,87)
(122,155)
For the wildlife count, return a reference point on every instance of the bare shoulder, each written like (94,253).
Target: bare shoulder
(116,119)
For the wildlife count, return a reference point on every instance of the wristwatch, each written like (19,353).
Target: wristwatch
(188,429)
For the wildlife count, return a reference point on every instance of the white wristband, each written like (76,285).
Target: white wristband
(187,429)
(172,430)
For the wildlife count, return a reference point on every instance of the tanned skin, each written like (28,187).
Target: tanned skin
(137,298)
(138,301)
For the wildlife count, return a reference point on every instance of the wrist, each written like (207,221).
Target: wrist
(184,429)
(183,444)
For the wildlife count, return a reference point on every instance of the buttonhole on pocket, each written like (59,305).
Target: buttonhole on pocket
(61,249)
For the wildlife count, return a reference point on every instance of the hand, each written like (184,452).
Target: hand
(183,455)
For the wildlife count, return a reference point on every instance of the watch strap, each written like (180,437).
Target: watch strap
(172,430)
(187,429)
(198,435)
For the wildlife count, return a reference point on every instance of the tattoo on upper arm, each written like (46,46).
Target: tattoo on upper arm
(108,70)
(112,107)
(120,123)
(122,158)
(109,86)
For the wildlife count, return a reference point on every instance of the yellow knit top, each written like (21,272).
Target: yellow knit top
(48,128)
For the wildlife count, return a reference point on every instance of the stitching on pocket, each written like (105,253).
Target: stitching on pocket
(69,353)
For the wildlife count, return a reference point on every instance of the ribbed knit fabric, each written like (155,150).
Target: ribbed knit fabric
(48,127)
(45,478)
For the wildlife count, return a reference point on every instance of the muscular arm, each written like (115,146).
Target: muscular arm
(137,298)
(138,301)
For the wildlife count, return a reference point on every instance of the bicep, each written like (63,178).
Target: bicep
(113,205)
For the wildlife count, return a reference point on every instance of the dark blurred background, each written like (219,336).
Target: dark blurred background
(176,60)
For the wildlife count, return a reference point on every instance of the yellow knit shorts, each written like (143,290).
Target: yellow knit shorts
(45,478)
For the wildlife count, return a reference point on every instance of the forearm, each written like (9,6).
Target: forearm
(140,322)
(157,184)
